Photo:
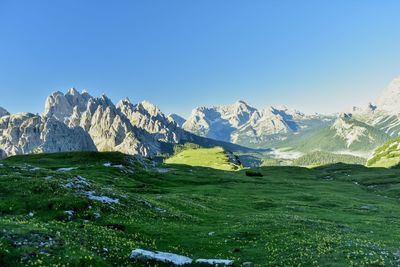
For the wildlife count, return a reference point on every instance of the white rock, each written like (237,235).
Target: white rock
(215,262)
(103,199)
(70,214)
(68,169)
(162,257)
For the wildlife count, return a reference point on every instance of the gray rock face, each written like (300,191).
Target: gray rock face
(149,118)
(3,112)
(2,154)
(28,133)
(58,137)
(177,119)
(107,126)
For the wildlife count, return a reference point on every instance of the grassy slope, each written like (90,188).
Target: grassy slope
(337,215)
(204,157)
(387,155)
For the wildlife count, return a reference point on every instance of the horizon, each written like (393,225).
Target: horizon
(310,56)
(186,115)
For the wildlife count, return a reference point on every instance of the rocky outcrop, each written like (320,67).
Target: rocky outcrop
(24,133)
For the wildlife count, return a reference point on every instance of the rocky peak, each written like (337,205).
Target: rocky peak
(105,101)
(72,91)
(390,99)
(61,106)
(241,105)
(148,117)
(177,119)
(58,106)
(3,112)
(151,109)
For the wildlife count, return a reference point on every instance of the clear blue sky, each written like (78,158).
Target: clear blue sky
(317,55)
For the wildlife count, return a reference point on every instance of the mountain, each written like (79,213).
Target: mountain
(78,122)
(385,114)
(177,119)
(245,125)
(148,117)
(346,135)
(3,112)
(24,133)
(389,101)
(106,124)
(219,122)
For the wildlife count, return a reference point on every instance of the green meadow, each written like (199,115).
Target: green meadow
(93,209)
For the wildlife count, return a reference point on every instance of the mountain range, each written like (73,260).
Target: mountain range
(357,131)
(80,122)
(75,121)
(243,124)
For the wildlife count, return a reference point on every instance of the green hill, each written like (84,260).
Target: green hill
(93,209)
(317,158)
(215,157)
(388,155)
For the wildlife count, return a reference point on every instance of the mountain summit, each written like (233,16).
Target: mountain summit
(3,112)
